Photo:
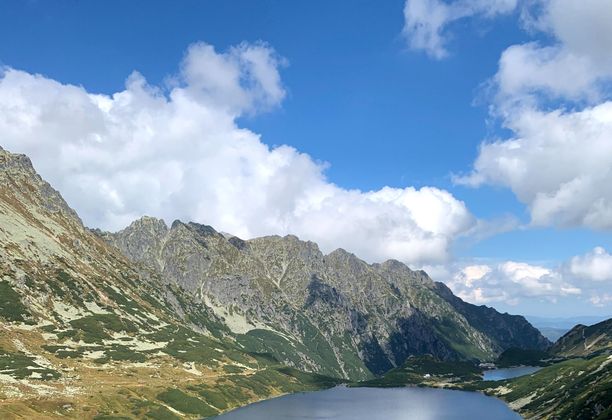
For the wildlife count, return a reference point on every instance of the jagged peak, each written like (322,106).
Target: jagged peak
(146,223)
(238,243)
(204,230)
(341,253)
(8,160)
(176,224)
(290,238)
(198,228)
(18,172)
(149,221)
(394,264)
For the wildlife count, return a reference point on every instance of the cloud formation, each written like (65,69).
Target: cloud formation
(576,65)
(594,266)
(177,152)
(559,164)
(509,282)
(587,277)
(555,100)
(426,21)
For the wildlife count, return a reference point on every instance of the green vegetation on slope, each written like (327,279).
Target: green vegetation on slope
(11,308)
(577,388)
(573,389)
(521,357)
(20,366)
(582,340)
(419,370)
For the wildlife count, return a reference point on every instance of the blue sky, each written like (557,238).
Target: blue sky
(359,94)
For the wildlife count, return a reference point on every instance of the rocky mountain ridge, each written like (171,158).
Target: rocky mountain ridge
(332,314)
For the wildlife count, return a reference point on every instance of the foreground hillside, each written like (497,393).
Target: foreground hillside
(577,388)
(584,340)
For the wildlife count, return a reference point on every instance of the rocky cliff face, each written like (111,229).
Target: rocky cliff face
(333,314)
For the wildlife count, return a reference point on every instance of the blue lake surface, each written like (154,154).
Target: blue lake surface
(500,374)
(343,403)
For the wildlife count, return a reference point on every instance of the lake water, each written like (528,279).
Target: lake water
(500,374)
(343,403)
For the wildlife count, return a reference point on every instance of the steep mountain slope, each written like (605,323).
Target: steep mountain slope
(333,314)
(579,388)
(84,334)
(509,330)
(582,340)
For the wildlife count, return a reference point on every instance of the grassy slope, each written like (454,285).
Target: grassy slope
(573,389)
(162,387)
(521,357)
(583,340)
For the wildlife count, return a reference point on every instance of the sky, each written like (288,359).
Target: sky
(469,138)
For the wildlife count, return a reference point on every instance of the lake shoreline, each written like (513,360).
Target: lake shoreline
(471,387)
(455,396)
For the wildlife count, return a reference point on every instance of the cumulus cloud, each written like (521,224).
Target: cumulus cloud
(177,152)
(576,66)
(585,277)
(509,282)
(595,266)
(243,79)
(426,21)
(558,160)
(559,164)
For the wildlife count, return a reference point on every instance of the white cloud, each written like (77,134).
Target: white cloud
(553,71)
(559,164)
(595,265)
(244,79)
(177,152)
(426,21)
(558,161)
(586,277)
(509,282)
(575,66)
(601,300)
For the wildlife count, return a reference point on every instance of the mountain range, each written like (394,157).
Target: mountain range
(182,320)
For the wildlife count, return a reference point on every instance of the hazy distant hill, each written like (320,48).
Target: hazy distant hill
(554,328)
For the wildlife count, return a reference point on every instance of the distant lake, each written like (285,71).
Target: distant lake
(500,374)
(343,403)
